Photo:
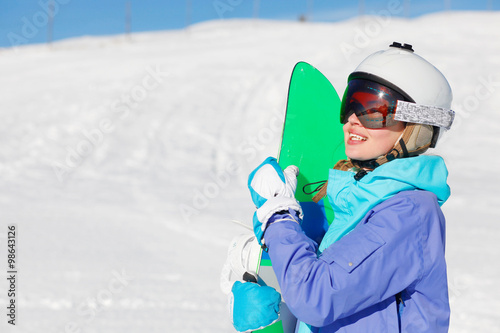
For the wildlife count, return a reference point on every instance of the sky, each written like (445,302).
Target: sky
(27,21)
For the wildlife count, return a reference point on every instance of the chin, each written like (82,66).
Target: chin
(356,156)
(360,157)
(364,154)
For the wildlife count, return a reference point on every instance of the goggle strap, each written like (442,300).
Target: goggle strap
(424,114)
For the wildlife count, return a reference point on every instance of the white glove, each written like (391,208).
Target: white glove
(272,190)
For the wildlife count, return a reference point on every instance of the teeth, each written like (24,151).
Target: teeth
(356,137)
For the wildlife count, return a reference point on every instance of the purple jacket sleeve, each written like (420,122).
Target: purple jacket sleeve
(389,251)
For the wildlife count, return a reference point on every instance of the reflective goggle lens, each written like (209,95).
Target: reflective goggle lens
(374,104)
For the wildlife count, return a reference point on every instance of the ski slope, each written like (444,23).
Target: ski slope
(123,162)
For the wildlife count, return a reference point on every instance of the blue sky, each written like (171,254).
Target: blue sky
(26,21)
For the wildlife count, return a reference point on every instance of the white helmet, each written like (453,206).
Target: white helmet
(408,73)
(426,92)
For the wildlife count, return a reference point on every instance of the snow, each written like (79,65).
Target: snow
(124,162)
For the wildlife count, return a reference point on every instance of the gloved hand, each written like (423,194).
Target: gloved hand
(242,263)
(254,306)
(272,190)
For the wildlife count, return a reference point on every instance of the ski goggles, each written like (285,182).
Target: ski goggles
(373,103)
(378,106)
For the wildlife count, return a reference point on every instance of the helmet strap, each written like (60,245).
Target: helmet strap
(368,164)
(403,148)
(400,149)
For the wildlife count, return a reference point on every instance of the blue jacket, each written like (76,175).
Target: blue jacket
(388,238)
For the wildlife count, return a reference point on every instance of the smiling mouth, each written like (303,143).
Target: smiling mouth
(356,137)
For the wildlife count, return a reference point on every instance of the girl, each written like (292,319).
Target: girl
(380,266)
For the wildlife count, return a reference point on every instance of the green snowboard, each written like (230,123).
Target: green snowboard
(313,140)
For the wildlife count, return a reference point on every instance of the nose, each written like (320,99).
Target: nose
(353,120)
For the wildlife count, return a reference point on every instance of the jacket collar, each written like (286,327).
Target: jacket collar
(352,199)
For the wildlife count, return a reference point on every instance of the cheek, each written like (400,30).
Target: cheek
(385,140)
(346,131)
(386,146)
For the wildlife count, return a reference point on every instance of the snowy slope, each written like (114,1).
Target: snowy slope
(123,163)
